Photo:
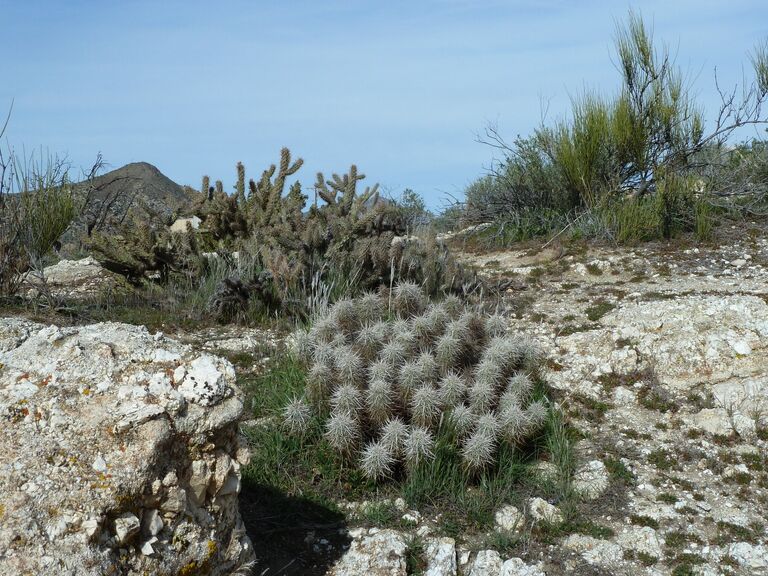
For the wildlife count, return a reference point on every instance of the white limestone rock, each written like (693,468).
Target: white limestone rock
(440,554)
(591,480)
(542,511)
(516,567)
(641,539)
(508,518)
(94,460)
(486,563)
(595,551)
(374,553)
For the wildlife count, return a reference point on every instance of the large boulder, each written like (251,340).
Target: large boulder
(78,280)
(119,454)
(689,340)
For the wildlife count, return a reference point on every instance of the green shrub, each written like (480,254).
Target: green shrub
(394,378)
(643,153)
(37,205)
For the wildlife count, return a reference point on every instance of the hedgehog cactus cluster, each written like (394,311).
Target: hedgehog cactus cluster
(389,372)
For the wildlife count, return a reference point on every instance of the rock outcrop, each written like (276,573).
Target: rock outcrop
(76,280)
(119,454)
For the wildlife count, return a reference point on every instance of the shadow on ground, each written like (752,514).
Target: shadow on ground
(291,536)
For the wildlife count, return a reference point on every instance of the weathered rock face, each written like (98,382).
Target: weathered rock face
(119,454)
(690,340)
(83,279)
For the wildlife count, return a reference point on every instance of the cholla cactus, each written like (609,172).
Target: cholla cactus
(381,370)
(514,423)
(377,461)
(427,367)
(478,450)
(481,396)
(297,416)
(453,305)
(324,330)
(388,387)
(303,346)
(409,377)
(370,308)
(488,424)
(348,399)
(323,354)
(369,340)
(408,299)
(343,432)
(345,313)
(319,384)
(418,447)
(463,419)
(536,416)
(380,401)
(425,406)
(349,366)
(521,386)
(451,390)
(393,353)
(448,352)
(393,435)
(496,326)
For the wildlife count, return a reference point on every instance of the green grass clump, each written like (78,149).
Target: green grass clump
(594,313)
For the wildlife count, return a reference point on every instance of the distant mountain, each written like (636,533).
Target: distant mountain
(137,192)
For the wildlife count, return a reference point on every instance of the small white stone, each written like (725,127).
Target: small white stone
(151,522)
(170,479)
(90,527)
(508,518)
(413,517)
(176,501)
(230,486)
(198,482)
(146,548)
(742,347)
(126,526)
(541,510)
(487,563)
(440,556)
(99,464)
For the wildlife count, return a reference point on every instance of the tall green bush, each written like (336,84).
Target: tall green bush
(649,140)
(37,205)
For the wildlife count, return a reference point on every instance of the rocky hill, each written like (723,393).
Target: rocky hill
(137,191)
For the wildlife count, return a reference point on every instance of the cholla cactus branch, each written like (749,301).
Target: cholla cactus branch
(377,461)
(342,432)
(296,416)
(425,406)
(419,447)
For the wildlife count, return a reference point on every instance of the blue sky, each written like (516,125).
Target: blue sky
(401,88)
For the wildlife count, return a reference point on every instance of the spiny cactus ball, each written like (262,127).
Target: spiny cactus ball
(391,375)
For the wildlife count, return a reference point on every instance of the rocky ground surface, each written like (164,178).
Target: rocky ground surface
(119,454)
(659,356)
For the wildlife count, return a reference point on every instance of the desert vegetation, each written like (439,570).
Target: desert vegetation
(387,391)
(637,166)
(400,374)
